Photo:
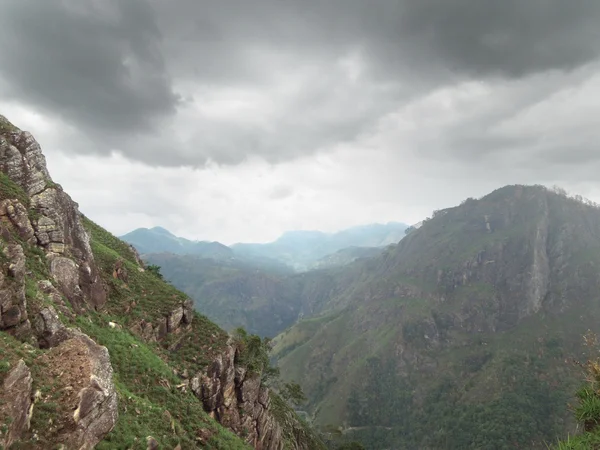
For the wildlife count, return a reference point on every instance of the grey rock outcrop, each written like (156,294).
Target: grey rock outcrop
(49,330)
(238,400)
(57,226)
(85,366)
(174,322)
(13,303)
(17,402)
(16,215)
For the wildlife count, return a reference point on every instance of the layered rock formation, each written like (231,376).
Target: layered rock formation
(238,400)
(17,400)
(54,223)
(41,215)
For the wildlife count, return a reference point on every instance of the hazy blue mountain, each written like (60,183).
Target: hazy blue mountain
(302,250)
(160,240)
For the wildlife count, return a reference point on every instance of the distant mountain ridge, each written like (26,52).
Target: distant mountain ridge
(302,250)
(159,240)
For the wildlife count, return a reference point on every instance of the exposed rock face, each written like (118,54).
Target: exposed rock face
(85,366)
(22,160)
(49,330)
(17,400)
(48,289)
(238,401)
(176,320)
(16,214)
(120,272)
(13,303)
(136,255)
(57,227)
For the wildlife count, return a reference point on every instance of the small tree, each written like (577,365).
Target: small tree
(292,393)
(587,413)
(154,270)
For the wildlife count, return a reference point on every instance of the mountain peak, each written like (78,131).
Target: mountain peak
(162,230)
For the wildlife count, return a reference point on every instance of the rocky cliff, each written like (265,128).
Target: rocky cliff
(97,352)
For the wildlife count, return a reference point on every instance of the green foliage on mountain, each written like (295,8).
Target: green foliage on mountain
(346,256)
(145,379)
(456,337)
(256,288)
(232,294)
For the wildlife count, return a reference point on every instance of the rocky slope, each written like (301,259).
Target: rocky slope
(464,327)
(97,352)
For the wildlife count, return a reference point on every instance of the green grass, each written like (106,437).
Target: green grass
(152,400)
(147,387)
(99,235)
(588,411)
(588,441)
(11,190)
(6,126)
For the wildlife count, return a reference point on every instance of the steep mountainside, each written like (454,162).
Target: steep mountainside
(97,352)
(458,336)
(346,256)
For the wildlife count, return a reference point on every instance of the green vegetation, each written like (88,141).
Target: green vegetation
(587,411)
(253,353)
(145,379)
(440,342)
(295,429)
(10,190)
(292,393)
(154,270)
(150,403)
(6,126)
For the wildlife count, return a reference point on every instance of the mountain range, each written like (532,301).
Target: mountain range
(298,250)
(459,336)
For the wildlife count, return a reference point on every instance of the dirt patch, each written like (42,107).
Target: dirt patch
(68,370)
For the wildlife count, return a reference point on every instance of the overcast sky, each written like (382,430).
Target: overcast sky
(235,120)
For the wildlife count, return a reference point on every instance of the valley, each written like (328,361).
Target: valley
(469,325)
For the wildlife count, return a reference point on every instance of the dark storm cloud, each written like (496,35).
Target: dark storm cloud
(135,76)
(509,38)
(95,63)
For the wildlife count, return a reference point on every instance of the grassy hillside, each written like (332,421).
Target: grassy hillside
(466,327)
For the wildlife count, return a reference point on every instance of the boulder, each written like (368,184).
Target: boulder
(16,402)
(84,366)
(13,303)
(49,330)
(17,215)
(58,227)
